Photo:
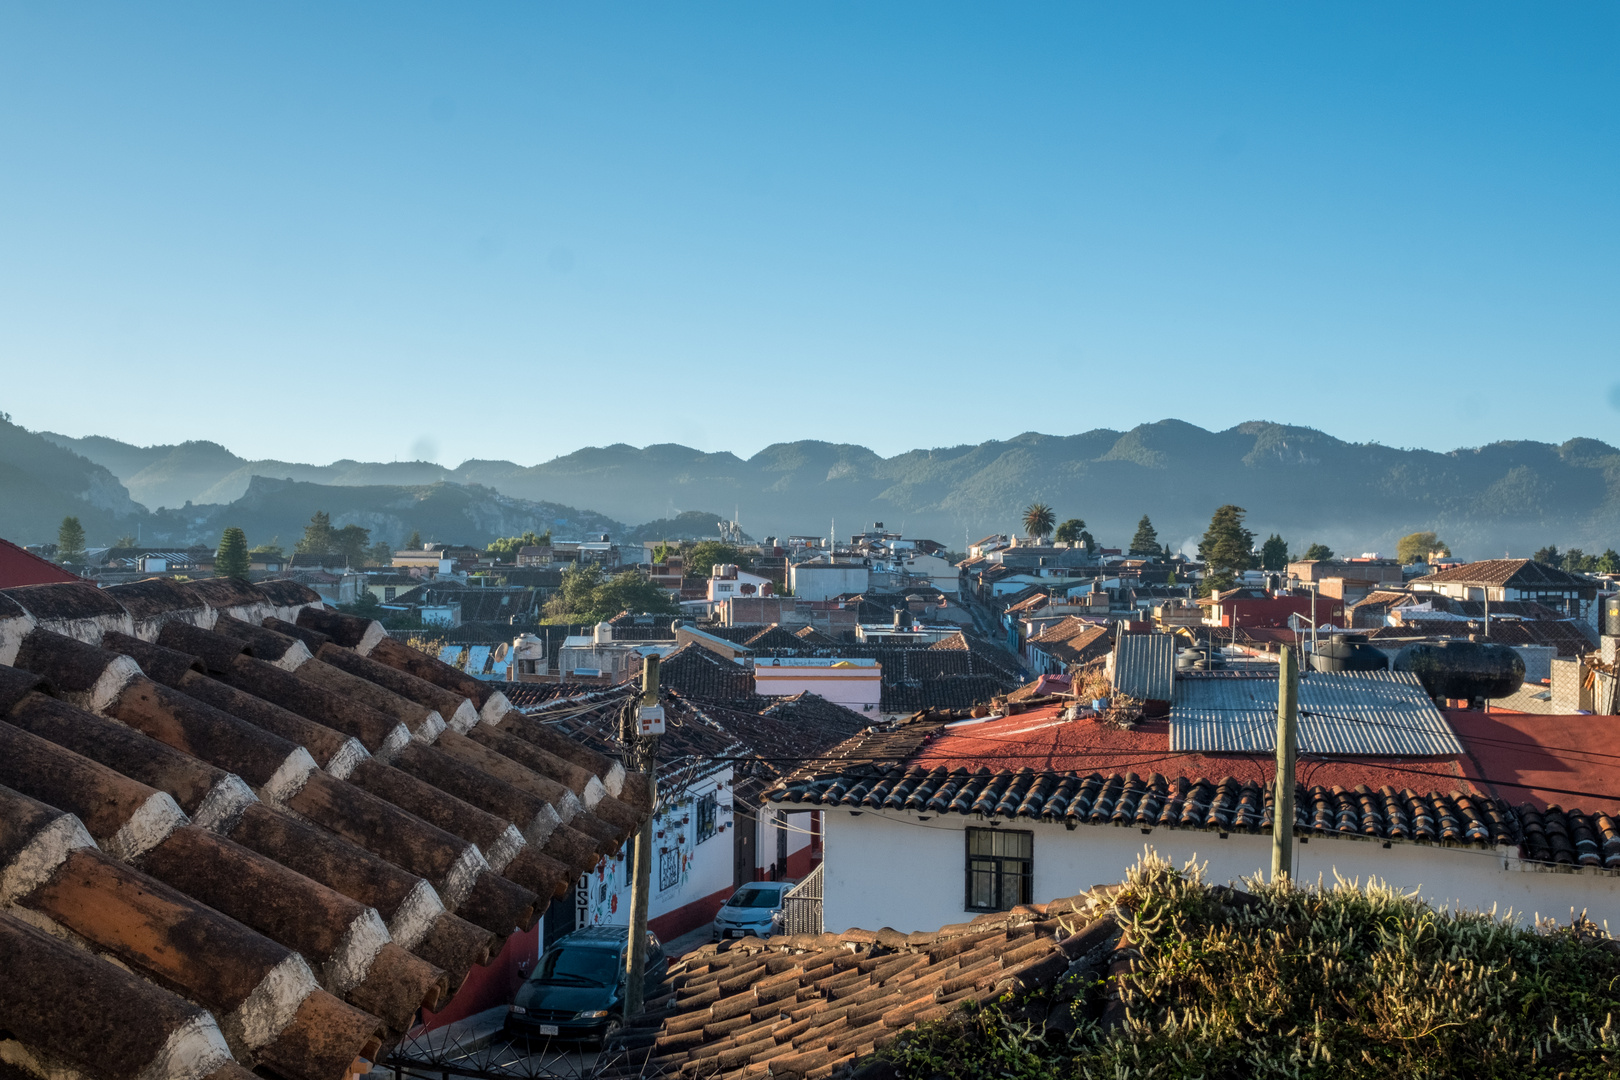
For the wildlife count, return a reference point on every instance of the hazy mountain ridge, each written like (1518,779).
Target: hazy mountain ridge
(1298,481)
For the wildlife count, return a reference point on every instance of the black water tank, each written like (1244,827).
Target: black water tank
(1463,669)
(1348,652)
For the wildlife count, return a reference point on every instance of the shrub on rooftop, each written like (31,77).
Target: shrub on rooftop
(1339,981)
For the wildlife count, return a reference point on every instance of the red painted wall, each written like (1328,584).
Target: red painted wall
(491,984)
(1274,611)
(688,917)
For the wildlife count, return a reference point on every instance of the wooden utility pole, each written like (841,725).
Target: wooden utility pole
(1282,803)
(635,955)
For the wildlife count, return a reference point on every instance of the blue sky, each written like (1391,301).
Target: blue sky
(510,230)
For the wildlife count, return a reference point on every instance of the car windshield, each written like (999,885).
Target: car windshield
(583,967)
(754,898)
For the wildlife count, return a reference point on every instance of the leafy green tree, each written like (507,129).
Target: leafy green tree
(702,557)
(1224,549)
(1608,562)
(70,541)
(1577,561)
(1274,553)
(317,538)
(577,594)
(380,554)
(366,605)
(661,553)
(414,541)
(1039,521)
(1069,532)
(588,596)
(1317,553)
(125,541)
(350,543)
(1419,547)
(272,548)
(507,547)
(232,559)
(1146,540)
(1549,555)
(630,591)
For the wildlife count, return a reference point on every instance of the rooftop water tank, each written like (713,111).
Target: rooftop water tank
(1348,652)
(1463,669)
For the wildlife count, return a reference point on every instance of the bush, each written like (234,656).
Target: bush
(1307,982)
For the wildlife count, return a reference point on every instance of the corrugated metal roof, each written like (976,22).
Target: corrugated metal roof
(1375,713)
(1145,665)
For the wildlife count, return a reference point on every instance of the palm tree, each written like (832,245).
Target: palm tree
(1038,521)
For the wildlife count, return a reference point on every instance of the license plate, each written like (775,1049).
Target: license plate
(548,1029)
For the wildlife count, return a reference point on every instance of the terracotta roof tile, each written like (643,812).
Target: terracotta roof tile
(247,815)
(796,1006)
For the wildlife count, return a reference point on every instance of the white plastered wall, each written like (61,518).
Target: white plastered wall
(889,869)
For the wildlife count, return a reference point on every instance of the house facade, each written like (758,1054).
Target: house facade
(977,816)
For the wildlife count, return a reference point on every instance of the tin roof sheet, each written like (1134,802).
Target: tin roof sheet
(1375,713)
(1145,665)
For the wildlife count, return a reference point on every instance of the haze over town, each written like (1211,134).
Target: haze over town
(823,542)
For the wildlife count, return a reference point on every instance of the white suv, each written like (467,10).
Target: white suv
(755,908)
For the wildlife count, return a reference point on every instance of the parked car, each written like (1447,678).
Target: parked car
(576,991)
(755,908)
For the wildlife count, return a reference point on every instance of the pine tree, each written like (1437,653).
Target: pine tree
(1146,540)
(70,541)
(317,539)
(1317,553)
(1274,553)
(232,560)
(1225,549)
(414,542)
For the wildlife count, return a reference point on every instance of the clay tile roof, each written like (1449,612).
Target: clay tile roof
(73,600)
(343,837)
(154,597)
(1519,572)
(284,593)
(803,1005)
(224,592)
(1063,771)
(697,672)
(774,637)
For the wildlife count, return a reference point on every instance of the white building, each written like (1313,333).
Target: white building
(1029,808)
(854,684)
(823,581)
(728,582)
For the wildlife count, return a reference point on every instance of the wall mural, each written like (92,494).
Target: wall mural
(604,895)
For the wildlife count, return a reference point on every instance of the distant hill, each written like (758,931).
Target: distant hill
(41,483)
(445,512)
(1305,484)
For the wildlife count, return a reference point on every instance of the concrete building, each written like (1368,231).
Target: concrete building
(854,684)
(823,581)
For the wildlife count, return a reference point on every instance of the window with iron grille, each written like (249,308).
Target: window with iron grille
(669,868)
(1000,869)
(708,816)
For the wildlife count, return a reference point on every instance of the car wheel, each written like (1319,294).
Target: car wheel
(611,1032)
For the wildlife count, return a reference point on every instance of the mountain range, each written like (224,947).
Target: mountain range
(1297,481)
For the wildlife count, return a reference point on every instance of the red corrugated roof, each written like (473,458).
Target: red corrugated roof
(19,567)
(1042,742)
